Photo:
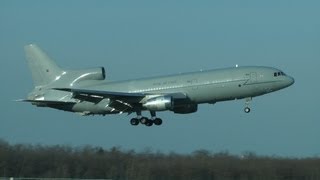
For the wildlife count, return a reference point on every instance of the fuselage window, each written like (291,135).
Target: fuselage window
(275,74)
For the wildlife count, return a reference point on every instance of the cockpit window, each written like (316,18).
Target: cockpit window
(276,74)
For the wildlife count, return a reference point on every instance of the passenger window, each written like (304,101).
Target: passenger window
(279,74)
(275,74)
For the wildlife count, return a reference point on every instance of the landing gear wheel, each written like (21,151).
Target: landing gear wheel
(247,109)
(149,123)
(157,121)
(144,120)
(134,121)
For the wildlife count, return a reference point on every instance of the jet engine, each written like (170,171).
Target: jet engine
(91,74)
(161,103)
(86,74)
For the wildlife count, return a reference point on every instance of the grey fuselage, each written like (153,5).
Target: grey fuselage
(200,87)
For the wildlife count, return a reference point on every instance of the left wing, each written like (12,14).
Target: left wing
(120,101)
(95,94)
(46,102)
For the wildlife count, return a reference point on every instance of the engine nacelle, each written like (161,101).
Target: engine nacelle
(161,103)
(88,74)
(186,109)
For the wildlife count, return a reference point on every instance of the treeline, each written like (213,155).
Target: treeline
(94,162)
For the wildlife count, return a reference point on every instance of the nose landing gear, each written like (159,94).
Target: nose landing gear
(247,110)
(247,103)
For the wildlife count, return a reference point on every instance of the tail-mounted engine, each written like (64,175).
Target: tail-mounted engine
(87,74)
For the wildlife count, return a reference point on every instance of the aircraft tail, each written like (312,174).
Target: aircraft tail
(43,69)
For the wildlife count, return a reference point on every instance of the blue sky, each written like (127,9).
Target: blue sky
(135,39)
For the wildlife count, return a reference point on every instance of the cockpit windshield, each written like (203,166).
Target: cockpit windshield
(280,73)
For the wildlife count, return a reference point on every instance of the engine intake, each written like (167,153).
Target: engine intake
(88,74)
(161,103)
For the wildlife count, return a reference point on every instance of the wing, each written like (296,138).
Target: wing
(84,94)
(120,101)
(46,102)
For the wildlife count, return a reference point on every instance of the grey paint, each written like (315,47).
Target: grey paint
(86,92)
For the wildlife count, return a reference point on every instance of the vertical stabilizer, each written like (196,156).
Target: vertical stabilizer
(43,69)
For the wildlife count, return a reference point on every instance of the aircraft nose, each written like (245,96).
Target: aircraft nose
(290,81)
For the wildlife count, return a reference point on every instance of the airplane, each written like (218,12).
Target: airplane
(87,92)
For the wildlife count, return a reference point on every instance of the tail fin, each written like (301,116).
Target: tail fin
(43,69)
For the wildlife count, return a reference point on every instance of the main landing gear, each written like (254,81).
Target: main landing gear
(144,120)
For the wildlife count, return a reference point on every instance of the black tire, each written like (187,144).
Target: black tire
(157,121)
(149,123)
(134,121)
(144,120)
